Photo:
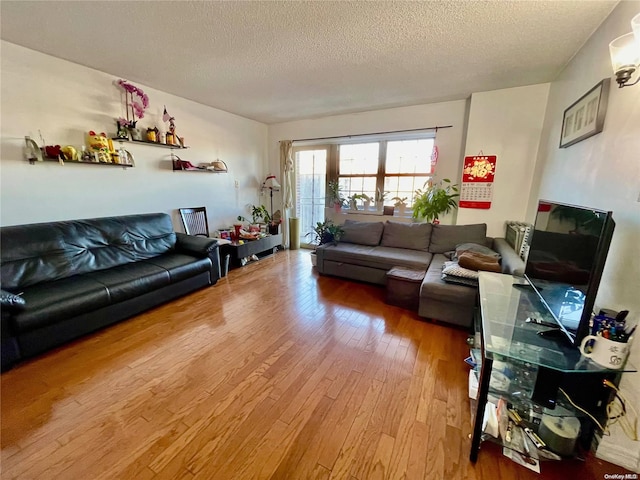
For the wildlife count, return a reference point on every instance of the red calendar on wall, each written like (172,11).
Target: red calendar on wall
(476,190)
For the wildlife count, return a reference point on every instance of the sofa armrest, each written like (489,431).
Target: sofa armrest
(203,247)
(199,246)
(511,262)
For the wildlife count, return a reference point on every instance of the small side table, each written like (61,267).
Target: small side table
(261,247)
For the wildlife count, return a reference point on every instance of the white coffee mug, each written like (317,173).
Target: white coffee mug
(605,352)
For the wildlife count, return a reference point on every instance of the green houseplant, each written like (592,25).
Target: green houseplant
(260,212)
(334,196)
(353,200)
(324,232)
(436,199)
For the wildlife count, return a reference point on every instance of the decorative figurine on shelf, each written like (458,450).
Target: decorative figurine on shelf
(152,134)
(69,153)
(172,139)
(98,145)
(123,128)
(52,151)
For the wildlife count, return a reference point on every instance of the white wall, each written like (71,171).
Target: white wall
(506,123)
(64,100)
(448,140)
(603,172)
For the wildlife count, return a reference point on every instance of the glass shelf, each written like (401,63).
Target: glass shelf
(153,144)
(505,308)
(522,369)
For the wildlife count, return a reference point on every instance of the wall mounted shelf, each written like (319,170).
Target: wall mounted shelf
(180,165)
(153,144)
(64,162)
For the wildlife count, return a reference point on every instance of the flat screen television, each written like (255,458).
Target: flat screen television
(568,248)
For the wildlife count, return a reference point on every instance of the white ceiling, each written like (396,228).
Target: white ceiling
(279,61)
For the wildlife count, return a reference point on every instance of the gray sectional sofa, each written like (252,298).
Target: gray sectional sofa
(368,250)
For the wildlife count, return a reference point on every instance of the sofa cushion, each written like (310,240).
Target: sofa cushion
(43,252)
(383,258)
(180,267)
(474,248)
(130,280)
(479,261)
(445,237)
(468,282)
(362,233)
(452,268)
(51,302)
(433,287)
(414,236)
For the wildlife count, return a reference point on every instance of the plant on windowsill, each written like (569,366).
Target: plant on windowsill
(324,232)
(400,205)
(353,200)
(333,195)
(379,199)
(436,199)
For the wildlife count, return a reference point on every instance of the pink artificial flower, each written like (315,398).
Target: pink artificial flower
(139,105)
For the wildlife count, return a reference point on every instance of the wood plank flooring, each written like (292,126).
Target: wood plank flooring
(274,373)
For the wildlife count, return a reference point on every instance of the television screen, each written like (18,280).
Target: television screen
(567,251)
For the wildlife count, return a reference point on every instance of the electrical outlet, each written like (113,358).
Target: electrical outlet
(237,184)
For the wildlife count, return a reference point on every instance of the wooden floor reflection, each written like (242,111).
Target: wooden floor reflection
(273,373)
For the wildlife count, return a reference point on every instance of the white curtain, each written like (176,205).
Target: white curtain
(286,172)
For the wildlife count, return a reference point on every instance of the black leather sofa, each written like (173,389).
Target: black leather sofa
(61,280)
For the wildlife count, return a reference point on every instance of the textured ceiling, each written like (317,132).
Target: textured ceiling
(279,61)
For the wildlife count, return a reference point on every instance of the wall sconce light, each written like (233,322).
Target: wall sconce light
(272,184)
(625,55)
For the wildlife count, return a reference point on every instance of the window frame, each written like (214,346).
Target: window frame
(333,161)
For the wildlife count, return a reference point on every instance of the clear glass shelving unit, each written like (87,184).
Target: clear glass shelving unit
(509,342)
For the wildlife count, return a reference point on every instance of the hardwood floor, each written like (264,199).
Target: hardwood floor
(275,372)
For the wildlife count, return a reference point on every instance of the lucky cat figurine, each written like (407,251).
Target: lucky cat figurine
(98,145)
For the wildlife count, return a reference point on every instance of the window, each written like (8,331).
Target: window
(358,168)
(310,187)
(394,165)
(398,167)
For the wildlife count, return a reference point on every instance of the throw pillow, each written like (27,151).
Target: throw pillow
(446,237)
(413,236)
(478,261)
(452,268)
(362,233)
(469,282)
(474,247)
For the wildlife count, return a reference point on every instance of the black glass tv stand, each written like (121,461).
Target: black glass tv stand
(539,365)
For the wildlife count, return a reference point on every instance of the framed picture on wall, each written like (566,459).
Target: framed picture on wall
(585,117)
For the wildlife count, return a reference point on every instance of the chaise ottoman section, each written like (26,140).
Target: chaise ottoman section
(444,301)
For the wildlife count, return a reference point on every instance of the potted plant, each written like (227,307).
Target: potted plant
(353,200)
(436,199)
(324,232)
(379,199)
(401,204)
(260,213)
(333,194)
